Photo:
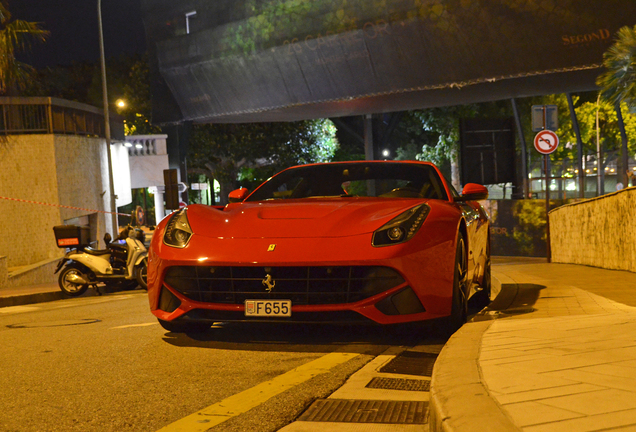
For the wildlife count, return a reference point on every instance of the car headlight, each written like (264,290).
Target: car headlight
(178,231)
(401,228)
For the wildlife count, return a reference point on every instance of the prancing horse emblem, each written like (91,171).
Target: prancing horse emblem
(269,283)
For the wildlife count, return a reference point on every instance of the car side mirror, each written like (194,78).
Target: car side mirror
(473,192)
(238,195)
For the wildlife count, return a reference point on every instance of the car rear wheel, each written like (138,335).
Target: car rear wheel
(459,309)
(184,327)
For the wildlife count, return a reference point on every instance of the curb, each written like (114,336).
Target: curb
(459,399)
(25,299)
(31,297)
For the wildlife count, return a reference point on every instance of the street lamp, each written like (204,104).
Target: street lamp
(113,205)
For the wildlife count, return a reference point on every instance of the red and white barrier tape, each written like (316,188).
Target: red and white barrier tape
(63,206)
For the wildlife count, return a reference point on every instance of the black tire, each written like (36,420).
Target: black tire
(482,298)
(69,288)
(184,327)
(142,274)
(486,283)
(459,309)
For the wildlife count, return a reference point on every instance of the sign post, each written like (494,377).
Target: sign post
(546,142)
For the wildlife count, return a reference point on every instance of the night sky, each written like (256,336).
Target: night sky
(74,29)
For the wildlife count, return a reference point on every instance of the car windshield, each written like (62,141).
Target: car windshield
(383,180)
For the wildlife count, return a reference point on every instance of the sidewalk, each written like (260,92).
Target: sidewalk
(566,363)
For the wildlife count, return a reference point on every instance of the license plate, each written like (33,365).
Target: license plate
(267,308)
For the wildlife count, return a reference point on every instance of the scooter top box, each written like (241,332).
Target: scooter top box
(72,236)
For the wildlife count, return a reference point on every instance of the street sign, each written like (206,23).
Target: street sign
(546,142)
(545,117)
(182,187)
(199,186)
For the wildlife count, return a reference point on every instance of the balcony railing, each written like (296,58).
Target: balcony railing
(146,145)
(45,115)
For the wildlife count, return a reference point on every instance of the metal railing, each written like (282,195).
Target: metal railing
(45,115)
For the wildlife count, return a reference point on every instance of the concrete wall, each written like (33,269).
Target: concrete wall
(27,172)
(4,271)
(82,180)
(148,162)
(53,169)
(599,232)
(121,174)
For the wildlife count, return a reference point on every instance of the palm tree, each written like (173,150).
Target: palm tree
(618,82)
(15,35)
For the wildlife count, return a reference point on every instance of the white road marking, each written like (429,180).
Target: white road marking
(135,325)
(18,309)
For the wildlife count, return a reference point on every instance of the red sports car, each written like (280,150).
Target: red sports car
(347,242)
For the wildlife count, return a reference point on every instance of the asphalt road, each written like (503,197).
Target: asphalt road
(104,364)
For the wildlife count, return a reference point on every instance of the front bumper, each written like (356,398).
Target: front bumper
(424,293)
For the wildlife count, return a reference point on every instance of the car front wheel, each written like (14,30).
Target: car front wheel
(459,309)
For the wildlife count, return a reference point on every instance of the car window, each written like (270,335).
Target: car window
(383,180)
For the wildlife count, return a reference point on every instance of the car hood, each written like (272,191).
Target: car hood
(307,218)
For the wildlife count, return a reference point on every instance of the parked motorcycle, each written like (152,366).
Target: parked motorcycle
(124,262)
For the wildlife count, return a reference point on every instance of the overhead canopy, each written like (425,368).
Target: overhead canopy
(285,60)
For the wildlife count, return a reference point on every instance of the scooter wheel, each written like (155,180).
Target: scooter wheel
(66,283)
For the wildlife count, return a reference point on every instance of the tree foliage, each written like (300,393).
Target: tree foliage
(247,154)
(128,79)
(16,35)
(586,106)
(618,82)
(135,91)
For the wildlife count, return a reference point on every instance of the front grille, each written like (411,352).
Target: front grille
(331,317)
(302,285)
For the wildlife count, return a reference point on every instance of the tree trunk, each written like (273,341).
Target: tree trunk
(226,187)
(455,172)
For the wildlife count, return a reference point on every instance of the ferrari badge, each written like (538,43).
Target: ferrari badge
(269,283)
(271,248)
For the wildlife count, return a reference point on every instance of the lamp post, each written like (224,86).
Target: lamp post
(113,205)
(600,178)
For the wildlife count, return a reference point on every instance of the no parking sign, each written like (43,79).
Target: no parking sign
(546,142)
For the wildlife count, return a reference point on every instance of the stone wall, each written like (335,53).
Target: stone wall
(599,232)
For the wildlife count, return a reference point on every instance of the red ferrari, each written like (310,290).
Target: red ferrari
(348,242)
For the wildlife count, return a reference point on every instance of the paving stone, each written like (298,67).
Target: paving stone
(593,403)
(537,395)
(531,413)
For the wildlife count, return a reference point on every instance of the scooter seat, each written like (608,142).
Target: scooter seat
(89,250)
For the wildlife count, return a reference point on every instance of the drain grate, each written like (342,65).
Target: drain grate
(366,411)
(399,384)
(411,363)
